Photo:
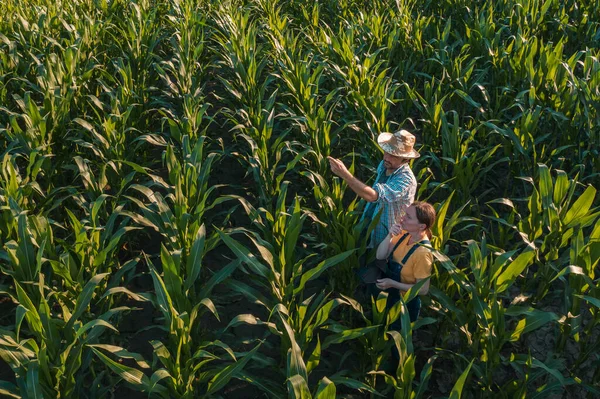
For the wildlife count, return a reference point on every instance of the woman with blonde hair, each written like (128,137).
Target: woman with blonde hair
(409,258)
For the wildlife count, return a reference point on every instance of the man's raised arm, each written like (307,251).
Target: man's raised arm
(361,189)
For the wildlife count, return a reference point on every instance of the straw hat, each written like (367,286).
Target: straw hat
(399,144)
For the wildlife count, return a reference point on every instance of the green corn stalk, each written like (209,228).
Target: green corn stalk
(443,228)
(588,256)
(374,343)
(430,105)
(302,75)
(580,287)
(480,289)
(138,33)
(370,91)
(555,218)
(270,157)
(19,189)
(298,327)
(284,274)
(183,76)
(403,383)
(253,109)
(190,365)
(190,197)
(47,349)
(531,369)
(60,70)
(339,229)
(297,369)
(242,59)
(472,171)
(506,225)
(95,245)
(36,135)
(282,269)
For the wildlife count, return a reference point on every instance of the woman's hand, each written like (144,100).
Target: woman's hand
(396,229)
(385,283)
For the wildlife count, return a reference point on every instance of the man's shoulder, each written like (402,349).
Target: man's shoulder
(404,172)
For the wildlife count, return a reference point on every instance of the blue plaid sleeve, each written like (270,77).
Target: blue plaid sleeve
(396,189)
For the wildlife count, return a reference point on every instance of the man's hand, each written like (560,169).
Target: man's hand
(385,283)
(361,189)
(338,168)
(396,229)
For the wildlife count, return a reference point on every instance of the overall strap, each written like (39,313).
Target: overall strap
(396,246)
(413,249)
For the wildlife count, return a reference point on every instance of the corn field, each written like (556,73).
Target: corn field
(170,226)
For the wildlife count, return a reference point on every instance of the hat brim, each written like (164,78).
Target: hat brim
(384,138)
(392,151)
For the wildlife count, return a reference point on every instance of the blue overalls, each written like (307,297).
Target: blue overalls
(393,272)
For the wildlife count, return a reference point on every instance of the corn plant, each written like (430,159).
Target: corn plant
(190,365)
(580,287)
(22,189)
(138,36)
(554,219)
(253,111)
(370,90)
(190,196)
(35,136)
(470,167)
(443,228)
(296,335)
(478,290)
(378,337)
(403,380)
(183,75)
(40,110)
(57,356)
(302,74)
(284,272)
(340,229)
(61,320)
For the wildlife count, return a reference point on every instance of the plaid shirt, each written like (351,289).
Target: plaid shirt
(394,196)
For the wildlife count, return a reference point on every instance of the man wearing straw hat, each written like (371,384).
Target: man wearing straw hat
(395,186)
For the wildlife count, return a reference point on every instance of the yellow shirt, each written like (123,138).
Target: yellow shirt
(418,265)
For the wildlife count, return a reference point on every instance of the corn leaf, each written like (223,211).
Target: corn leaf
(84,299)
(9,390)
(194,260)
(298,387)
(326,389)
(460,383)
(245,255)
(320,268)
(221,379)
(347,335)
(129,374)
(531,322)
(508,276)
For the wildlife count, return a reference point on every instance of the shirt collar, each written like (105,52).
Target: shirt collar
(402,168)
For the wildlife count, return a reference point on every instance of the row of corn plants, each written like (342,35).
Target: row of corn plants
(164,165)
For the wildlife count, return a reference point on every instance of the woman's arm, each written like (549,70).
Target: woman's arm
(385,247)
(385,283)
